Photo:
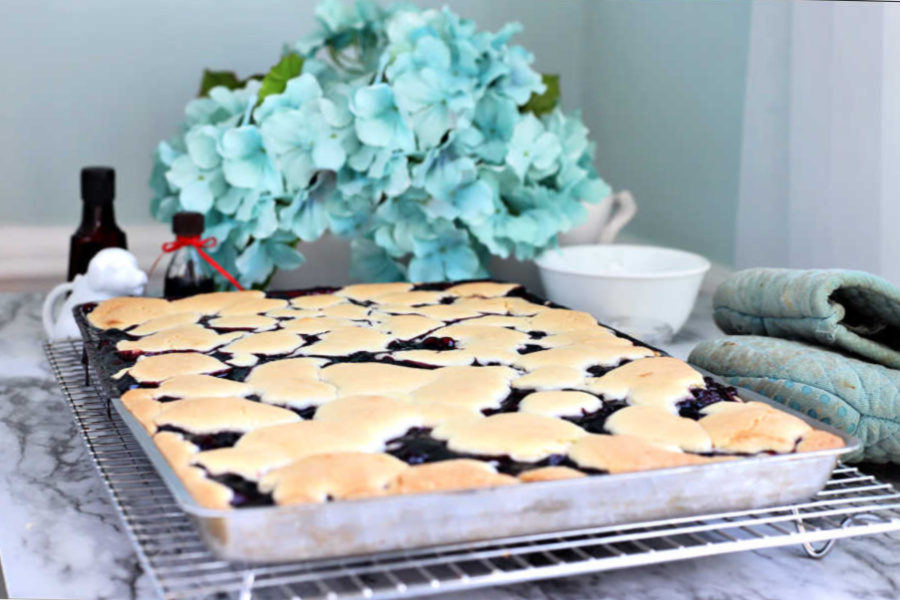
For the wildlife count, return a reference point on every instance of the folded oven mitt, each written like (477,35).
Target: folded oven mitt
(853,395)
(855,312)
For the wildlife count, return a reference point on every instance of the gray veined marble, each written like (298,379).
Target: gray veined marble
(61,538)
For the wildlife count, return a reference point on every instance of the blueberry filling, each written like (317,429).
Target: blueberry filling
(520,292)
(537,335)
(306,413)
(429,343)
(437,286)
(206,441)
(594,422)
(702,397)
(246,493)
(601,370)
(315,291)
(417,447)
(510,403)
(530,349)
(408,363)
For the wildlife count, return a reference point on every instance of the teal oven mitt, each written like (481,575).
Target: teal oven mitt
(856,312)
(856,396)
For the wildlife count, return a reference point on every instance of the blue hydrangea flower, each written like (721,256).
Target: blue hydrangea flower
(378,119)
(443,254)
(533,151)
(246,163)
(521,81)
(406,129)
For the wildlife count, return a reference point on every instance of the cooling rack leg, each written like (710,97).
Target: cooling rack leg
(821,551)
(247,586)
(87,367)
(811,550)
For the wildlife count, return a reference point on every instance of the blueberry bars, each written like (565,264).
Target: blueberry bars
(372,390)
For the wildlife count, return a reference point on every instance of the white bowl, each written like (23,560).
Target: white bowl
(643,290)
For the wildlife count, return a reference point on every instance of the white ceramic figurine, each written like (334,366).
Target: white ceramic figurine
(112,272)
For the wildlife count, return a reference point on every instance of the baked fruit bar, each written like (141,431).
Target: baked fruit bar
(377,389)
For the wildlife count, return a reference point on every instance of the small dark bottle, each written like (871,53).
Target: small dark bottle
(98,229)
(188,273)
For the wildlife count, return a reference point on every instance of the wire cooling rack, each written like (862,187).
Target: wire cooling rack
(170,548)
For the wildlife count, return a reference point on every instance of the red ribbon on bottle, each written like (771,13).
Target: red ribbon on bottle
(199,244)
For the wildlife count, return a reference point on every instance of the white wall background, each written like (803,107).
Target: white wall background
(820,177)
(756,133)
(103,81)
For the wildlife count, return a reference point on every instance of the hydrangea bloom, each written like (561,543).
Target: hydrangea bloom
(409,130)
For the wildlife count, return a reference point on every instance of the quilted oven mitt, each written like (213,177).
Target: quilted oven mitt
(855,396)
(854,311)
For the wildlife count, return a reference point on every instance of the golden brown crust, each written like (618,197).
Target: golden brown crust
(550,378)
(165,322)
(251,322)
(215,415)
(447,476)
(195,338)
(340,342)
(483,289)
(374,419)
(200,386)
(267,448)
(521,436)
(212,303)
(154,369)
(659,427)
(179,454)
(819,440)
(551,474)
(754,428)
(269,343)
(626,454)
(143,406)
(560,404)
(251,306)
(661,382)
(121,313)
(332,477)
(317,301)
(371,291)
(337,359)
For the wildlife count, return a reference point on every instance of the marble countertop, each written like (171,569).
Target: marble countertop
(61,538)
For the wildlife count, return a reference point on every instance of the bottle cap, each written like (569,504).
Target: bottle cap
(98,184)
(188,224)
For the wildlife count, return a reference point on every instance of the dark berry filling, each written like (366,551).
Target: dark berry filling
(206,441)
(315,291)
(594,422)
(530,349)
(510,403)
(714,392)
(601,370)
(428,343)
(246,493)
(417,447)
(436,286)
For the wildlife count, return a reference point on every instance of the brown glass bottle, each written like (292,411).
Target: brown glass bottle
(187,273)
(98,229)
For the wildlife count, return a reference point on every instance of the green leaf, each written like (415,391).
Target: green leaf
(277,78)
(213,79)
(541,104)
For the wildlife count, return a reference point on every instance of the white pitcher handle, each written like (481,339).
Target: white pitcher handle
(624,208)
(48,314)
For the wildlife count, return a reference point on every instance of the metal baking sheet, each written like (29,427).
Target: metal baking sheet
(352,527)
